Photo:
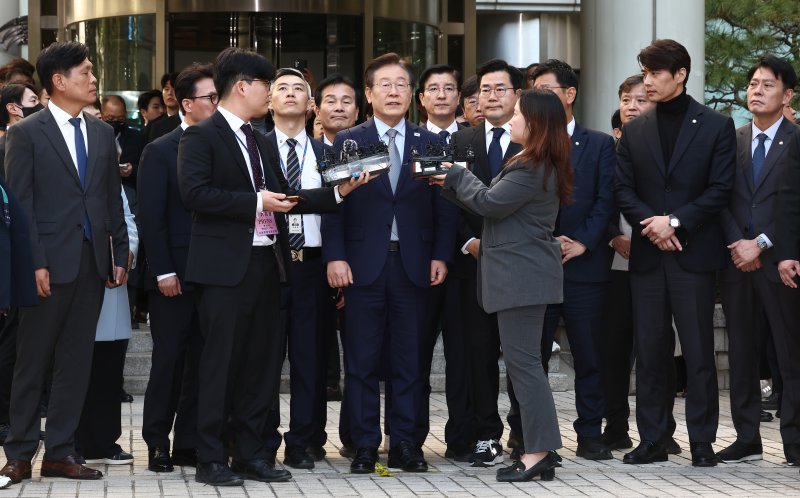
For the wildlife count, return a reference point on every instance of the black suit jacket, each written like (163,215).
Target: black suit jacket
(132,143)
(44,177)
(317,148)
(17,283)
(695,186)
(215,184)
(753,208)
(787,239)
(2,157)
(166,224)
(162,126)
(470,224)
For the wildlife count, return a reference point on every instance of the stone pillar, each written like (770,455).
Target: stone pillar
(612,34)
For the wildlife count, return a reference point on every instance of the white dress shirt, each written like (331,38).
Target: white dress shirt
(309,178)
(62,118)
(399,139)
(435,129)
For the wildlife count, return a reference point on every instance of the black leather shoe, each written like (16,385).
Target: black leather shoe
(647,452)
(556,458)
(124,397)
(297,458)
(347,451)
(260,470)
(158,460)
(407,457)
(317,453)
(186,457)
(766,416)
(364,461)
(271,457)
(593,449)
(703,455)
(792,452)
(741,452)
(672,446)
(458,452)
(513,440)
(217,474)
(771,402)
(617,442)
(545,469)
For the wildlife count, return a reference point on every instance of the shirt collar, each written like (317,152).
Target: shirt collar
(282,137)
(61,116)
(184,125)
(435,129)
(383,127)
(489,126)
(571,127)
(326,141)
(234,121)
(769,132)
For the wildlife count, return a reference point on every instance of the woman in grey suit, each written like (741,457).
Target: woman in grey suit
(519,263)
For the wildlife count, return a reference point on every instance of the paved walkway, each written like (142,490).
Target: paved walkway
(578,477)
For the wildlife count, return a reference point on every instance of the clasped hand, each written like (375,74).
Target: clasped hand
(570,248)
(745,255)
(660,233)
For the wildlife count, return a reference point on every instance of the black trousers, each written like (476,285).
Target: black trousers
(617,354)
(8,356)
(241,360)
(57,334)
(660,295)
(171,395)
(100,423)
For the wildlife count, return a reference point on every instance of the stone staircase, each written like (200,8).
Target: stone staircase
(140,347)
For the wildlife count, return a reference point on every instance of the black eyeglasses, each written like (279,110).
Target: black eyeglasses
(212,97)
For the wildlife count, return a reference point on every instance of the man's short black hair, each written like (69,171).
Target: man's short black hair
(234,64)
(781,68)
(168,78)
(666,55)
(494,65)
(616,119)
(336,79)
(438,69)
(629,83)
(469,88)
(563,72)
(187,79)
(390,59)
(117,98)
(144,99)
(12,94)
(59,58)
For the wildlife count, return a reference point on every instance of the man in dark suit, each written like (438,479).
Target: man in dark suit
(750,282)
(171,395)
(310,302)
(17,101)
(171,119)
(675,172)
(465,318)
(238,257)
(581,229)
(73,236)
(130,142)
(386,247)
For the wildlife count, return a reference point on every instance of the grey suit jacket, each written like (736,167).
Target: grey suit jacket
(519,263)
(753,208)
(42,174)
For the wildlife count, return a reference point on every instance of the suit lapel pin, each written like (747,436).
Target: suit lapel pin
(416,133)
(577,143)
(780,143)
(694,121)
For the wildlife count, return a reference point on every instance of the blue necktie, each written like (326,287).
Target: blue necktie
(758,156)
(496,152)
(80,154)
(445,136)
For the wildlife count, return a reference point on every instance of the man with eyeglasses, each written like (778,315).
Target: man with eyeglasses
(498,87)
(386,247)
(130,142)
(170,401)
(581,229)
(470,92)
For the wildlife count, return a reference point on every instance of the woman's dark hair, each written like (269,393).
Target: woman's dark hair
(59,58)
(548,142)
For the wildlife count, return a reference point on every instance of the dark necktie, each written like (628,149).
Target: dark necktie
(80,155)
(296,240)
(394,173)
(445,136)
(758,156)
(255,159)
(496,152)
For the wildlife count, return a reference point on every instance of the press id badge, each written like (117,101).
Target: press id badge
(265,224)
(295,223)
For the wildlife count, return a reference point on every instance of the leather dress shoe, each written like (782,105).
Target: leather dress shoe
(614,442)
(407,457)
(317,453)
(217,474)
(771,402)
(347,451)
(125,397)
(70,468)
(513,440)
(16,470)
(185,457)
(766,416)
(741,452)
(260,470)
(272,456)
(703,455)
(158,460)
(364,461)
(545,469)
(297,458)
(647,452)
(792,452)
(458,452)
(672,446)
(593,449)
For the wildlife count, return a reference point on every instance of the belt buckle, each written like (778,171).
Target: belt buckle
(297,255)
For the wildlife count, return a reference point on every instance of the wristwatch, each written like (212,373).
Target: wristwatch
(761,242)
(674,222)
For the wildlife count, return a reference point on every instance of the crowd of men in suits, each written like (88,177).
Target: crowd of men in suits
(249,254)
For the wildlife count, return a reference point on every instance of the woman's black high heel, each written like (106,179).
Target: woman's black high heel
(544,468)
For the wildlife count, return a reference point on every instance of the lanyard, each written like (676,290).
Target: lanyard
(302,161)
(263,185)
(6,208)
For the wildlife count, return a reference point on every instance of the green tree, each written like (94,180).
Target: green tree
(738,32)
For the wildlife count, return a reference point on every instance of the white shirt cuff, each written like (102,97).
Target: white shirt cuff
(165,276)
(259,203)
(336,194)
(464,247)
(769,242)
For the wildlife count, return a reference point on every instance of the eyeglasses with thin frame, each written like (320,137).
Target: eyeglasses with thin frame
(471,101)
(386,86)
(437,90)
(548,87)
(212,97)
(499,91)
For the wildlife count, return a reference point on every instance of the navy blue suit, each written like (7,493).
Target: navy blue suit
(387,301)
(585,277)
